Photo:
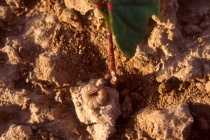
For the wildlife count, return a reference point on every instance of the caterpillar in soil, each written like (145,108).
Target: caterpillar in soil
(93,96)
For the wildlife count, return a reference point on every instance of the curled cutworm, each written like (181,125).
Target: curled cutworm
(93,96)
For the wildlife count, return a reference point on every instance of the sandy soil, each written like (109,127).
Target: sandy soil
(48,47)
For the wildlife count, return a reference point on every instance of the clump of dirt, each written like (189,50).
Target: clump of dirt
(49,47)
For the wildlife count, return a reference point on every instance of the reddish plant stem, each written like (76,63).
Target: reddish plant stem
(112,66)
(109,5)
(97,5)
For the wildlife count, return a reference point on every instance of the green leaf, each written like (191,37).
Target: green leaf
(128,22)
(94,1)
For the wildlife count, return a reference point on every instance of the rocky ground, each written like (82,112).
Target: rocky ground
(51,49)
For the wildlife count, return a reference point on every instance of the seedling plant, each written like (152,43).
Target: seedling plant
(126,23)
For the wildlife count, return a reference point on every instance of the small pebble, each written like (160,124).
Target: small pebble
(200,86)
(44,135)
(106,76)
(60,97)
(27,80)
(51,19)
(26,9)
(80,51)
(208,86)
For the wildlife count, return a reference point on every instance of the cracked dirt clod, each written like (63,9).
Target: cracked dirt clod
(14,133)
(83,6)
(103,117)
(172,123)
(47,62)
(17,6)
(70,17)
